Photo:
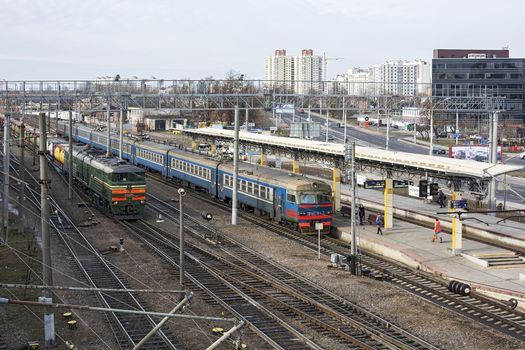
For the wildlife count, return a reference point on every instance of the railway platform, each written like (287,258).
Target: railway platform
(493,271)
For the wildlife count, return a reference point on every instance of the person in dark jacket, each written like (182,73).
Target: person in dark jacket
(442,199)
(361,214)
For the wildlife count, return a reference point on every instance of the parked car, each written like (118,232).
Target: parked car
(439,151)
(522,155)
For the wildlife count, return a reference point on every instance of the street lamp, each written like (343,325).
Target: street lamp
(181,192)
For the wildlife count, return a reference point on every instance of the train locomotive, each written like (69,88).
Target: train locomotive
(288,199)
(116,186)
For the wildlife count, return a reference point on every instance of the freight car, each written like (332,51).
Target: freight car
(289,199)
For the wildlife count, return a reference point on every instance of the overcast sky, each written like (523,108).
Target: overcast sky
(172,39)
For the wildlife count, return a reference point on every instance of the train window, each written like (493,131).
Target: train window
(249,188)
(290,197)
(324,198)
(243,185)
(256,189)
(307,198)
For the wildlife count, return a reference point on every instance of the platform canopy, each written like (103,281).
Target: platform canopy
(410,161)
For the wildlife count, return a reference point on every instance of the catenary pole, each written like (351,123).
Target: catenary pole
(494,160)
(5,226)
(108,134)
(431,133)
(120,134)
(49,323)
(235,166)
(70,158)
(181,239)
(21,175)
(353,209)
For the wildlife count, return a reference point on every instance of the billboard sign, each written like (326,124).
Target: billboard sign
(478,153)
(305,130)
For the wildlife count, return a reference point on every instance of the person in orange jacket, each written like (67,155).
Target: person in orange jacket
(437,231)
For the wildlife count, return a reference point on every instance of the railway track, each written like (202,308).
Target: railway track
(276,288)
(489,312)
(128,329)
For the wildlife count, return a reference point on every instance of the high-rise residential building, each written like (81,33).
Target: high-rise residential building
(308,70)
(280,69)
(301,73)
(358,82)
(481,73)
(401,78)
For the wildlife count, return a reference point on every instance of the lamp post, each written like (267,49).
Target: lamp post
(181,192)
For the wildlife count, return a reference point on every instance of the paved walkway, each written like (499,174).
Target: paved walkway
(410,242)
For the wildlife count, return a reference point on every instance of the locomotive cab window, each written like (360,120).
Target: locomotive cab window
(324,198)
(290,197)
(307,198)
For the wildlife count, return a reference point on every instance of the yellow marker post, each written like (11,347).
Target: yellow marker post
(295,167)
(336,188)
(263,160)
(389,204)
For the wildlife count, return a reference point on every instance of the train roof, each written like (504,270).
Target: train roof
(107,165)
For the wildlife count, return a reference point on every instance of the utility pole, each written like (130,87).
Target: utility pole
(108,153)
(431,131)
(493,158)
(70,158)
(181,238)
(21,173)
(120,135)
(246,116)
(49,320)
(7,124)
(353,267)
(327,123)
(456,134)
(344,119)
(235,166)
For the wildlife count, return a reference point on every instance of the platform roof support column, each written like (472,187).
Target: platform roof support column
(295,164)
(213,149)
(389,204)
(336,187)
(457,227)
(194,144)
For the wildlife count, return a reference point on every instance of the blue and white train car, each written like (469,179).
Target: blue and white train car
(195,170)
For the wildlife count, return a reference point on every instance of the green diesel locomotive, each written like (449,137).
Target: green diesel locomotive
(113,185)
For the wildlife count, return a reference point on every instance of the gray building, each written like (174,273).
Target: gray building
(490,73)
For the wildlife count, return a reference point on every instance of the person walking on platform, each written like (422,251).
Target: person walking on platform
(361,214)
(379,223)
(441,199)
(437,231)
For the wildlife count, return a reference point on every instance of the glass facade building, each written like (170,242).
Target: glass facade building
(481,74)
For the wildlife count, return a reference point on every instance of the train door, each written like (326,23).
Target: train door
(279,205)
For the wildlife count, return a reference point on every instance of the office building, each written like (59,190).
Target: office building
(481,73)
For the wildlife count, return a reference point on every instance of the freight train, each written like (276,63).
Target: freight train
(288,199)
(116,186)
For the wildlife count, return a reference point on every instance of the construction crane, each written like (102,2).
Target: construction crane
(325,61)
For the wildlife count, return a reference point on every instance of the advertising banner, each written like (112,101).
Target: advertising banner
(478,153)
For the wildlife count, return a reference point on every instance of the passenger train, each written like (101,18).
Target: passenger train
(291,200)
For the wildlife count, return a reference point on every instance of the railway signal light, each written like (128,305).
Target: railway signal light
(207,216)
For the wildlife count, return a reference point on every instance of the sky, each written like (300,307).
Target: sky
(178,39)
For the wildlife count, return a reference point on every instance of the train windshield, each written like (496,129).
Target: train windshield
(314,198)
(307,198)
(128,177)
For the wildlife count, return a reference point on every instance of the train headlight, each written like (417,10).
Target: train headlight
(142,202)
(115,203)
